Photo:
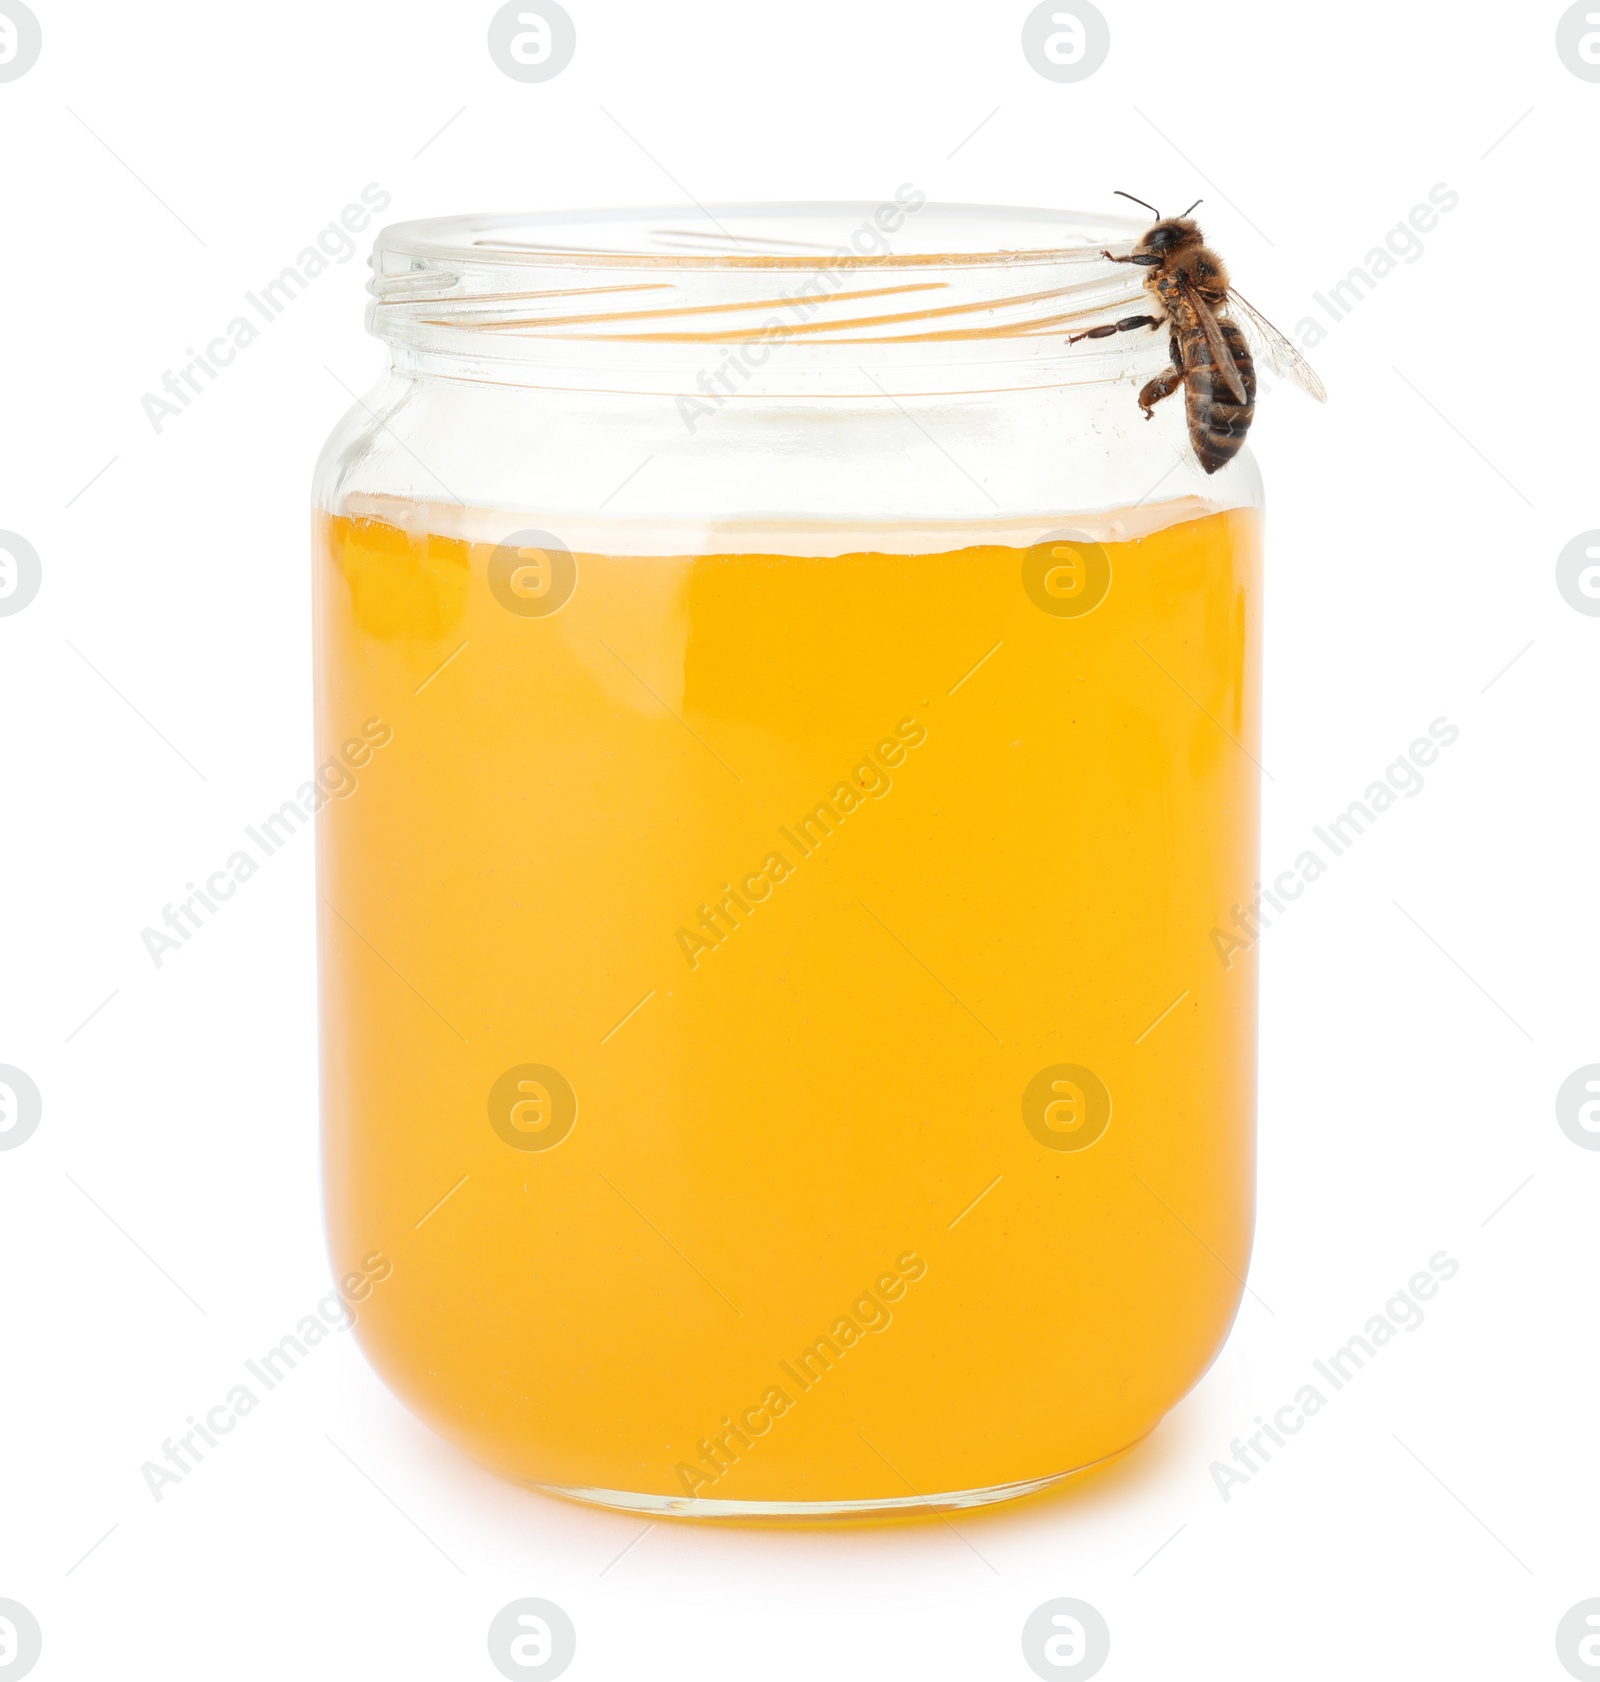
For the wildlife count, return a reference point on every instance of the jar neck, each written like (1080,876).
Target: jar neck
(752,302)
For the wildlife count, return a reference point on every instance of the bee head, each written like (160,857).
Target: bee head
(1170,234)
(1167,233)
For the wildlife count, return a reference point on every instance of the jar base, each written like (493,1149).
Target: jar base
(886,1506)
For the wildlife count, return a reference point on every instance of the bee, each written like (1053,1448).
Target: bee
(1212,358)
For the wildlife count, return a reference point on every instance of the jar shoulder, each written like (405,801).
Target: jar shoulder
(967,457)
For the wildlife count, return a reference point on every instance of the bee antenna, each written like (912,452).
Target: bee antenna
(1191,207)
(1150,207)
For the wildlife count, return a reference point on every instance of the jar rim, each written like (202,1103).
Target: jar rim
(946,235)
(966,296)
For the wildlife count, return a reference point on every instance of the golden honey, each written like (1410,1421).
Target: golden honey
(771,1015)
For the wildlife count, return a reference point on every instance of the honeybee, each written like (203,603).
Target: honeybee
(1211,351)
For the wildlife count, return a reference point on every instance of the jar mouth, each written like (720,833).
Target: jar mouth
(899,232)
(789,288)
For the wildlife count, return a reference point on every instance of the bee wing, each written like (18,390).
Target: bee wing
(1279,354)
(1220,354)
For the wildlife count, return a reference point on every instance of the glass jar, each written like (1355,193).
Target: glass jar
(788,728)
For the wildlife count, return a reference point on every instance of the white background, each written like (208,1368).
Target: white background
(163,1223)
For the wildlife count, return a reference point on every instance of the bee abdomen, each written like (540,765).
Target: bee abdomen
(1218,422)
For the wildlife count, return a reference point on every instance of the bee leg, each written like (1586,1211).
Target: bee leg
(1126,325)
(1163,385)
(1145,260)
